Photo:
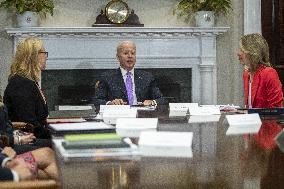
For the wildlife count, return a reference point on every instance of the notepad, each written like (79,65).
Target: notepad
(81,126)
(98,136)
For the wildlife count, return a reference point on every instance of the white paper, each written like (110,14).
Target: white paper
(204,110)
(116,107)
(178,112)
(132,127)
(69,107)
(80,126)
(203,118)
(182,105)
(144,108)
(169,144)
(110,115)
(243,123)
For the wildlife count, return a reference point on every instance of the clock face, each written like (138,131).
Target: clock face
(117,11)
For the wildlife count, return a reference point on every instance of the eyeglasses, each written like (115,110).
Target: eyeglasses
(46,53)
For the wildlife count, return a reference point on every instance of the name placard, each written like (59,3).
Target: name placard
(132,127)
(182,105)
(204,110)
(243,123)
(116,107)
(169,144)
(110,115)
(203,118)
(180,109)
(69,107)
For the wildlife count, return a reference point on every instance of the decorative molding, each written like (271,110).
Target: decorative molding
(134,32)
(95,48)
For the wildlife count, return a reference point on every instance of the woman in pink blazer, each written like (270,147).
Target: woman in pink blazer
(262,86)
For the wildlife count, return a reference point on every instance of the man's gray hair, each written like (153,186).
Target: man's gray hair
(119,46)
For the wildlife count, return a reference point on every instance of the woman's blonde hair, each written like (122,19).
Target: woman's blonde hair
(25,62)
(256,47)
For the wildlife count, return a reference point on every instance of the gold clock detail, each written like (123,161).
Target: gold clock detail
(117,11)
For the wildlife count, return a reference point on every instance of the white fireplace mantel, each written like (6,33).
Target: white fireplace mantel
(95,48)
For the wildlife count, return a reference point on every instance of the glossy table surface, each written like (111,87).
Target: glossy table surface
(219,160)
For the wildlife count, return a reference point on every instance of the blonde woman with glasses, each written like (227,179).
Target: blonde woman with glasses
(262,86)
(23,97)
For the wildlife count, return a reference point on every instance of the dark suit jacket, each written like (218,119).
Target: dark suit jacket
(25,103)
(111,86)
(5,173)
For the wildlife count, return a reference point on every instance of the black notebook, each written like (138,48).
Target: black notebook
(266,111)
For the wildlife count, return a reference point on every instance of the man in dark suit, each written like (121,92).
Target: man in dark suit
(127,85)
(13,169)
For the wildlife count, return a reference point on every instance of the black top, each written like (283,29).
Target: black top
(26,104)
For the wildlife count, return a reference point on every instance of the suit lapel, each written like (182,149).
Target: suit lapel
(138,83)
(121,83)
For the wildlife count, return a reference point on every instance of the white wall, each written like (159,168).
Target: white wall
(152,13)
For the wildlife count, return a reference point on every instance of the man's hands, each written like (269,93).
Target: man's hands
(28,138)
(148,103)
(9,152)
(17,164)
(121,102)
(21,168)
(117,102)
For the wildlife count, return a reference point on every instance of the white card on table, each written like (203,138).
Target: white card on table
(132,127)
(69,107)
(182,105)
(163,143)
(180,109)
(203,118)
(116,107)
(110,115)
(243,123)
(204,110)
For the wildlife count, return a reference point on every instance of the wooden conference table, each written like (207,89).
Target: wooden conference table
(219,160)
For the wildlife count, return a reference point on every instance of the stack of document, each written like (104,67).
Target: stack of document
(94,141)
(94,145)
(84,127)
(72,111)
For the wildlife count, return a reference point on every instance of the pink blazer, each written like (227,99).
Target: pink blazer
(266,91)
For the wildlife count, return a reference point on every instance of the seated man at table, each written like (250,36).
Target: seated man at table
(127,85)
